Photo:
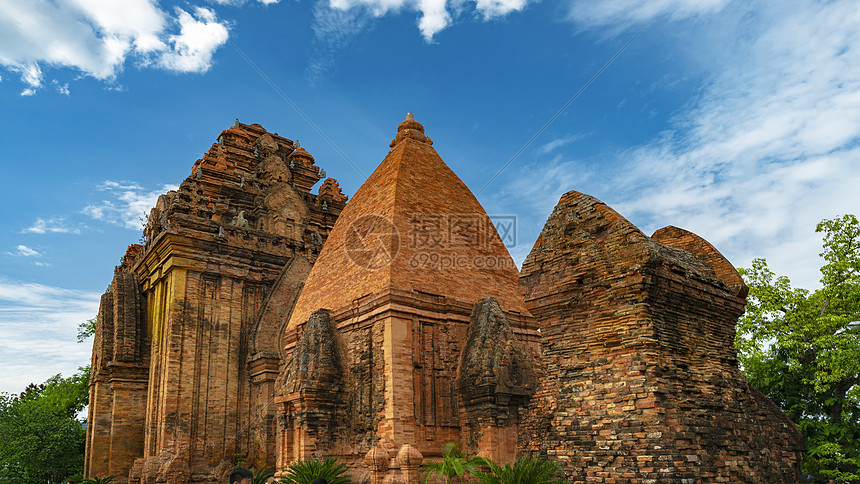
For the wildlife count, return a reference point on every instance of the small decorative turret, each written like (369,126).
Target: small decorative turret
(411,129)
(331,189)
(301,155)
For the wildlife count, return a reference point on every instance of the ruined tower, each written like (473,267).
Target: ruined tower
(378,336)
(187,351)
(642,381)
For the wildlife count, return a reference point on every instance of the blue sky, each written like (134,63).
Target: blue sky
(736,120)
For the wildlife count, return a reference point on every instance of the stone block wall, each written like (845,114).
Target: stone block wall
(642,383)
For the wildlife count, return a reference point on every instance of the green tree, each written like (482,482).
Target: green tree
(524,470)
(453,466)
(802,349)
(86,329)
(43,441)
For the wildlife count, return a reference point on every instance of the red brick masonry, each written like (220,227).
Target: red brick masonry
(642,382)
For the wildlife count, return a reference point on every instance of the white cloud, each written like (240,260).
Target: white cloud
(241,2)
(54,225)
(114,185)
(434,17)
(619,14)
(768,149)
(200,35)
(31,75)
(337,22)
(96,37)
(333,29)
(553,145)
(435,14)
(498,8)
(128,205)
(62,88)
(38,328)
(23,250)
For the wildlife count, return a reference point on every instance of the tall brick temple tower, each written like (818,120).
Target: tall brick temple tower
(186,349)
(382,355)
(265,323)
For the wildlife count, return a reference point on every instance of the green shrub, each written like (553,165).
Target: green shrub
(306,471)
(262,475)
(524,470)
(454,465)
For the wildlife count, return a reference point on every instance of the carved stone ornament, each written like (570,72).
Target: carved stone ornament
(265,146)
(240,220)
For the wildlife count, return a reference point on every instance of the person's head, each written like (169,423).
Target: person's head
(320,480)
(240,475)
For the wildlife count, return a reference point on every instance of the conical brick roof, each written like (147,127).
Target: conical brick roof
(413,225)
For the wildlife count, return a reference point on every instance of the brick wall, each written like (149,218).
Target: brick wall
(642,383)
(222,263)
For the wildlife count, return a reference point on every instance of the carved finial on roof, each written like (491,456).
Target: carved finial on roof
(236,123)
(296,144)
(411,129)
(322,173)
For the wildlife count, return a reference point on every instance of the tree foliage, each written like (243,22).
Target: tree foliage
(454,465)
(43,441)
(307,471)
(86,329)
(802,349)
(524,470)
(262,475)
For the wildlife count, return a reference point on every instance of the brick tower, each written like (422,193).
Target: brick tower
(186,350)
(380,341)
(642,382)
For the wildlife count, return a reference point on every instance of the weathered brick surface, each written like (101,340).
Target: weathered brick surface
(224,259)
(235,331)
(413,225)
(401,322)
(641,381)
(496,375)
(120,365)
